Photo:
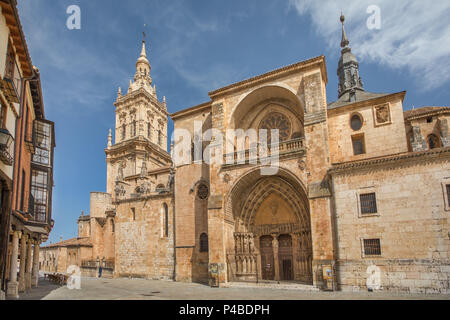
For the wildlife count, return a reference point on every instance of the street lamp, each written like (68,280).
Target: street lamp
(5,139)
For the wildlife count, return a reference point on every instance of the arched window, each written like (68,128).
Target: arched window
(124,132)
(166,220)
(113,227)
(159,137)
(433,141)
(203,242)
(133,129)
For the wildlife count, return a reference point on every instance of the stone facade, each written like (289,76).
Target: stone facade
(129,231)
(356,198)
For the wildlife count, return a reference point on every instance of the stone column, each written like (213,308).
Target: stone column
(35,272)
(97,267)
(295,254)
(23,258)
(28,264)
(276,262)
(13,286)
(257,243)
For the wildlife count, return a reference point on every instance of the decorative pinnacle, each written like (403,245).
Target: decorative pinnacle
(344,42)
(109,139)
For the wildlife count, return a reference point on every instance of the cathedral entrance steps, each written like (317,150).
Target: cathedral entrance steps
(271,284)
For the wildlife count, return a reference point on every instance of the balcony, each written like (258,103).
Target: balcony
(286,149)
(11,84)
(43,142)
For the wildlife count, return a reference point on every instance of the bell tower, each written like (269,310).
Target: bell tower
(140,130)
(348,68)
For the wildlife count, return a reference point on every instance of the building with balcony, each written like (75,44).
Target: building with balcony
(26,159)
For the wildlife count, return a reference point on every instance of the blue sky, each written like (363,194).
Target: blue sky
(197,46)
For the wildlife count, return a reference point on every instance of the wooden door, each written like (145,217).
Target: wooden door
(285,257)
(267,259)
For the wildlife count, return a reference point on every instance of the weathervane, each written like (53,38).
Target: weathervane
(143,33)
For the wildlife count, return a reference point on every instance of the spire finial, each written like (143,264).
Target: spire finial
(344,41)
(143,33)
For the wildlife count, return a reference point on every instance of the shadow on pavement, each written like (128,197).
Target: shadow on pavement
(43,289)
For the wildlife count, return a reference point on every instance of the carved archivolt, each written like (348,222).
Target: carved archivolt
(263,189)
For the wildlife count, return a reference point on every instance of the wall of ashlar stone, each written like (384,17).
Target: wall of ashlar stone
(191,221)
(412,223)
(191,212)
(380,140)
(141,248)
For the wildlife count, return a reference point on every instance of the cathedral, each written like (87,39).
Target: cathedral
(360,197)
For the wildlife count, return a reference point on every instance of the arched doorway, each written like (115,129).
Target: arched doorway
(271,227)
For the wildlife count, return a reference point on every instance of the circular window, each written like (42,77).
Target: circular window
(276,120)
(356,122)
(202,192)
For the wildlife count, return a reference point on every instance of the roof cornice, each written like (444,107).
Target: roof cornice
(191,110)
(371,101)
(443,110)
(272,75)
(382,162)
(9,10)
(136,93)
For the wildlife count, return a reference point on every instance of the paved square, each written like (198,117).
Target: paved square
(141,289)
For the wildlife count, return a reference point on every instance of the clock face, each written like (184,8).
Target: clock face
(277,121)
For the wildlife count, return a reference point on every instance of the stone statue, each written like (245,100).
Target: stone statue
(171,178)
(120,172)
(144,171)
(119,190)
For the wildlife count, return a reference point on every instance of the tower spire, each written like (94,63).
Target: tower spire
(143,51)
(348,68)
(143,67)
(344,41)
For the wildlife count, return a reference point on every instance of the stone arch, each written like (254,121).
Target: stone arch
(248,206)
(266,187)
(249,179)
(279,92)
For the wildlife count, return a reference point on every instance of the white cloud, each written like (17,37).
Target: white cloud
(414,35)
(187,30)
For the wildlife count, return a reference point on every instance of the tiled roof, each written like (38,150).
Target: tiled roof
(360,96)
(71,242)
(424,111)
